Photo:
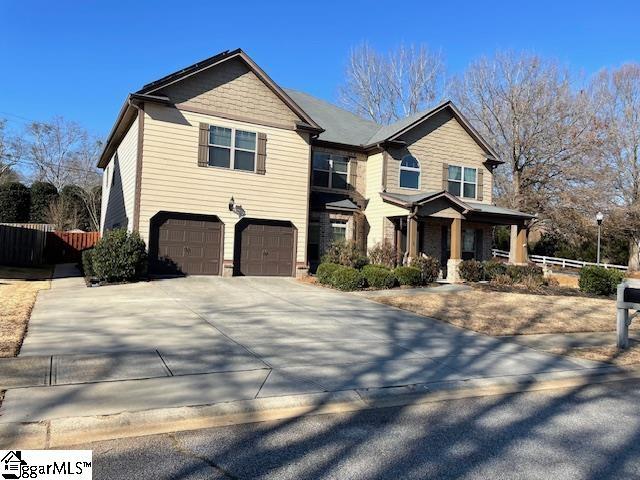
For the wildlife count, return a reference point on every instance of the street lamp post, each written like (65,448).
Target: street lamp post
(599,218)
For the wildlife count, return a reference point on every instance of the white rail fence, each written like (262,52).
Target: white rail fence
(562,262)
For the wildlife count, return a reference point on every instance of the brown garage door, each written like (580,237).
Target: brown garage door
(188,244)
(266,248)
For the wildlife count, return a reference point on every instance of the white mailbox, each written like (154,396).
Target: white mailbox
(628,299)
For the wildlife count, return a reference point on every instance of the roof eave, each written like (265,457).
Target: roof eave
(123,121)
(341,209)
(303,126)
(125,118)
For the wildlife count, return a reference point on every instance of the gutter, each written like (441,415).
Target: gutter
(126,117)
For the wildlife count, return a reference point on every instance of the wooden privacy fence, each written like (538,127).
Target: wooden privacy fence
(25,244)
(67,247)
(22,245)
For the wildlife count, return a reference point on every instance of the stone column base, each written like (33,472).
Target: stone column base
(453,275)
(302,270)
(227,269)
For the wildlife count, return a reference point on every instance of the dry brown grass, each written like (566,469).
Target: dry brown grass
(18,289)
(308,279)
(507,313)
(564,280)
(608,354)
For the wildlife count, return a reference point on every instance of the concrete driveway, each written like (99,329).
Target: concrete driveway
(201,340)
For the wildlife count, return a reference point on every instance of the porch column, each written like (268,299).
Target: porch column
(412,237)
(518,245)
(455,258)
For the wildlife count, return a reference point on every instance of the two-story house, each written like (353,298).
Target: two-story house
(223,172)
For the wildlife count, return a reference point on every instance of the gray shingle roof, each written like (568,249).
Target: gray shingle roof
(386,131)
(488,208)
(321,200)
(341,126)
(473,206)
(344,127)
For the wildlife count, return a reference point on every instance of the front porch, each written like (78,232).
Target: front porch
(444,227)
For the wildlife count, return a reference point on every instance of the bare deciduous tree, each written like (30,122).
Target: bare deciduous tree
(526,108)
(619,114)
(63,214)
(388,87)
(9,154)
(63,153)
(60,151)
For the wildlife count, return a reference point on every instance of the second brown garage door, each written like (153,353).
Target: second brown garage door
(188,244)
(265,248)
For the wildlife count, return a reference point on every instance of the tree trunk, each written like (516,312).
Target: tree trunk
(634,254)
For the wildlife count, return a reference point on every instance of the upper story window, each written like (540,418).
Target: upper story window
(232,148)
(462,181)
(330,170)
(409,172)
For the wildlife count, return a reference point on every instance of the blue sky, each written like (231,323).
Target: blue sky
(79,59)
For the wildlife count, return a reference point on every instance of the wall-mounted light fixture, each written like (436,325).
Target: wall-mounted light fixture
(237,209)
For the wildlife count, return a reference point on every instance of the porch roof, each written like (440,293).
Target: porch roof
(419,199)
(332,201)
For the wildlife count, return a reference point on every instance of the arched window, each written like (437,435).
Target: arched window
(410,172)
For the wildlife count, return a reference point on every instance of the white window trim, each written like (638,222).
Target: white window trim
(233,148)
(342,225)
(411,169)
(462,181)
(331,171)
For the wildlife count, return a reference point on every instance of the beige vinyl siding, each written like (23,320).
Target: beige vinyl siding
(119,183)
(377,210)
(439,140)
(231,88)
(172,180)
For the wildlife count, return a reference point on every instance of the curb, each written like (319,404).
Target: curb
(63,432)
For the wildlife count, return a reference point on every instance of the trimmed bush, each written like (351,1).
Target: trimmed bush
(378,276)
(429,268)
(471,270)
(492,269)
(408,276)
(347,279)
(599,280)
(324,272)
(345,253)
(119,256)
(519,272)
(15,199)
(42,194)
(383,254)
(87,263)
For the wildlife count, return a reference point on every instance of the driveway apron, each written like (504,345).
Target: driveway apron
(189,341)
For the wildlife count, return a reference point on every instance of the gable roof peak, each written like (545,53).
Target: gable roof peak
(392,132)
(219,58)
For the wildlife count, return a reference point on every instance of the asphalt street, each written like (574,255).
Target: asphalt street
(589,432)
